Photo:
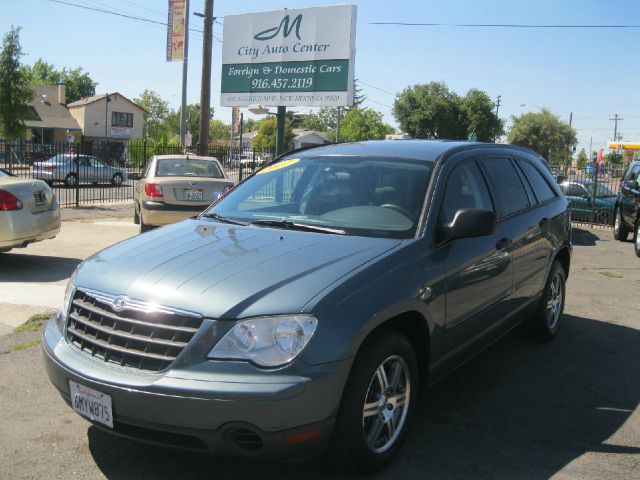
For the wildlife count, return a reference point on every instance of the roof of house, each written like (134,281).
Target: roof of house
(96,98)
(48,112)
(300,133)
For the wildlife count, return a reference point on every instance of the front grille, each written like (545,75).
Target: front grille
(129,333)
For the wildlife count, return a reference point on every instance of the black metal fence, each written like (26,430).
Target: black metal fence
(96,171)
(591,191)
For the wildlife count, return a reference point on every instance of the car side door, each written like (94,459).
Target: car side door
(477,270)
(579,201)
(528,220)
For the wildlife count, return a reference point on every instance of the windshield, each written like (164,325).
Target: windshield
(181,167)
(367,196)
(601,192)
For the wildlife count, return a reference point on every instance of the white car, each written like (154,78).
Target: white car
(29,211)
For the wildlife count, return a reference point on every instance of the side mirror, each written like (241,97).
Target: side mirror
(471,222)
(134,176)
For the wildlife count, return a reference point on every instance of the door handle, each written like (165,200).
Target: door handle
(503,244)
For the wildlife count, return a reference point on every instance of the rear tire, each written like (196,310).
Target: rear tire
(636,238)
(136,216)
(620,231)
(545,320)
(605,218)
(117,180)
(143,226)
(71,180)
(377,404)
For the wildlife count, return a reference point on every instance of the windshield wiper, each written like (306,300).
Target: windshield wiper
(223,219)
(289,225)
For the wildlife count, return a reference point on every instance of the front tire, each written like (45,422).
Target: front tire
(545,321)
(636,238)
(620,231)
(71,180)
(377,404)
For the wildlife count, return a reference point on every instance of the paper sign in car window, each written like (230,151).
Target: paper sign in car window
(279,165)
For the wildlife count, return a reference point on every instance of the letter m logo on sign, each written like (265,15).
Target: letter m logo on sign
(284,26)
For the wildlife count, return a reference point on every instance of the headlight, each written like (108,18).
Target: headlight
(266,341)
(68,295)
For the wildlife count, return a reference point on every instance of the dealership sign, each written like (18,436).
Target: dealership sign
(299,57)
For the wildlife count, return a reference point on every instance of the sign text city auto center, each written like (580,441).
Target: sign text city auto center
(268,56)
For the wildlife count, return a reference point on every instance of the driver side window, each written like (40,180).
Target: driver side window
(466,188)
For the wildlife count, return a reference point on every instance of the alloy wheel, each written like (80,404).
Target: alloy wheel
(386,404)
(554,305)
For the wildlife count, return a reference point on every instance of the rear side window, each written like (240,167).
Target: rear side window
(632,172)
(540,186)
(573,190)
(465,188)
(512,196)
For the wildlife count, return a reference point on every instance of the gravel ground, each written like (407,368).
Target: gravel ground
(568,409)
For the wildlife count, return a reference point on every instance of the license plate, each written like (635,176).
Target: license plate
(39,198)
(193,194)
(91,403)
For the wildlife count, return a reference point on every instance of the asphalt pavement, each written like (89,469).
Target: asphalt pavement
(569,409)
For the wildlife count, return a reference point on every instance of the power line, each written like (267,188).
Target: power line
(145,7)
(499,25)
(131,17)
(377,88)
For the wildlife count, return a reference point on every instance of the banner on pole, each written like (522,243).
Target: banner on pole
(176,31)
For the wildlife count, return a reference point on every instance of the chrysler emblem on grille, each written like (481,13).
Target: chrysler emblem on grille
(119,303)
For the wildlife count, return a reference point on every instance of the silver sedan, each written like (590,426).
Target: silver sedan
(28,212)
(71,169)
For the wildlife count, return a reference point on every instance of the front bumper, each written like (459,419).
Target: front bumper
(289,415)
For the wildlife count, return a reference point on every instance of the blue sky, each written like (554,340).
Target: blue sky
(594,73)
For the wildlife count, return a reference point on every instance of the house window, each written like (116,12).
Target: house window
(120,119)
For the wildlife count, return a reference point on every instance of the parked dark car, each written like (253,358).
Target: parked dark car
(306,309)
(590,202)
(627,217)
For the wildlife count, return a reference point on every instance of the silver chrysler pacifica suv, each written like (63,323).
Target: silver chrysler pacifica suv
(307,308)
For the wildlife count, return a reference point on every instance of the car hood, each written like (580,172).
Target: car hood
(227,271)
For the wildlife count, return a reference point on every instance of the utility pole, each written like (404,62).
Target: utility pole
(566,163)
(498,105)
(205,86)
(281,125)
(338,125)
(185,61)
(615,119)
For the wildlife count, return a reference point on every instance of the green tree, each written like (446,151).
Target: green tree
(582,159)
(14,87)
(433,111)
(249,125)
(363,124)
(155,126)
(218,131)
(429,111)
(78,83)
(477,116)
(324,120)
(265,140)
(544,133)
(192,124)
